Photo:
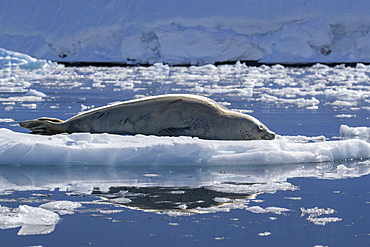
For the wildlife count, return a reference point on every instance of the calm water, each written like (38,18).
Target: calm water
(260,205)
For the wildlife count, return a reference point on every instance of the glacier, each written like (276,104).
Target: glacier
(191,32)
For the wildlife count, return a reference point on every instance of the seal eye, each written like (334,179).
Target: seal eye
(260,128)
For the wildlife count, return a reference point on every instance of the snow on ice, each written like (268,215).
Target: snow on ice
(98,149)
(191,32)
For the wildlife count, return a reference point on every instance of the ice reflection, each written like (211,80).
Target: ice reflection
(247,179)
(175,191)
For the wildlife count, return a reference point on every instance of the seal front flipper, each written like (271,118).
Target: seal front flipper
(173,131)
(43,126)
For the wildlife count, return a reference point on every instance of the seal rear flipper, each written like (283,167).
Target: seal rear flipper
(43,126)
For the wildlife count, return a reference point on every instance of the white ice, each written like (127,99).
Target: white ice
(348,132)
(62,207)
(10,59)
(314,213)
(106,149)
(32,220)
(189,32)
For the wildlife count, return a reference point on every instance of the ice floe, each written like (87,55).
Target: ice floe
(99,149)
(315,212)
(32,220)
(348,132)
(62,207)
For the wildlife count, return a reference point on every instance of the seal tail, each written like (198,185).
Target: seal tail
(43,126)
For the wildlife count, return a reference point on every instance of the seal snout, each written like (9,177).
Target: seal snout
(269,135)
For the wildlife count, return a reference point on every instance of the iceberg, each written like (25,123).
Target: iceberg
(11,59)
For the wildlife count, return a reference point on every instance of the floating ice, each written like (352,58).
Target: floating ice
(260,210)
(62,207)
(32,220)
(345,94)
(6,120)
(98,149)
(271,187)
(257,210)
(315,212)
(301,102)
(347,132)
(36,93)
(264,234)
(120,200)
(22,99)
(323,221)
(37,216)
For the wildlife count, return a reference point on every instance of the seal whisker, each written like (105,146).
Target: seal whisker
(101,115)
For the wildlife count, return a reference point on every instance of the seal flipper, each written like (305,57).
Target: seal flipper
(43,126)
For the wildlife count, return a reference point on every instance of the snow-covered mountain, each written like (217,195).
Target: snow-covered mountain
(188,32)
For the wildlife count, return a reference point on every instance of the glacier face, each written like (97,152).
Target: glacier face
(176,33)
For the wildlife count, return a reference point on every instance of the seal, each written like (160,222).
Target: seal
(165,115)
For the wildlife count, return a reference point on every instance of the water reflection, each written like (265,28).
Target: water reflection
(247,179)
(174,201)
(165,190)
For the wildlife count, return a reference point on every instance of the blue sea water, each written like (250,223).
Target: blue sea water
(187,206)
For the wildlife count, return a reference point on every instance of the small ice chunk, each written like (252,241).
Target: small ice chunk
(33,92)
(150,175)
(30,106)
(316,211)
(182,206)
(120,200)
(264,234)
(6,120)
(294,198)
(256,210)
(222,199)
(346,131)
(35,229)
(63,207)
(37,216)
(277,210)
(177,192)
(323,221)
